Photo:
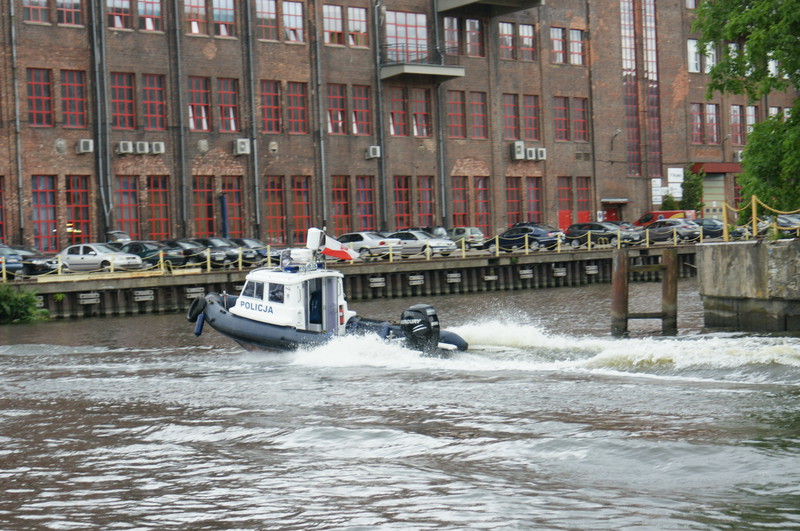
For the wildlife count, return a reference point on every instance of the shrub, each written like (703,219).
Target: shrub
(17,306)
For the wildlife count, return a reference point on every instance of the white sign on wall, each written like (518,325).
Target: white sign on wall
(675,182)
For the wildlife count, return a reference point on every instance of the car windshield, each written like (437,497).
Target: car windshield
(26,251)
(219,242)
(375,235)
(103,248)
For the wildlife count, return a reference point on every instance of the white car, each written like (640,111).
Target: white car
(416,241)
(370,244)
(97,256)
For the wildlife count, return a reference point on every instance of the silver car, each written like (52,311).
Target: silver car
(370,244)
(669,229)
(416,241)
(97,256)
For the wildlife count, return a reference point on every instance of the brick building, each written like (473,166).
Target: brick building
(264,117)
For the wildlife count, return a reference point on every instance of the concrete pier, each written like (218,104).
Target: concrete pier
(753,285)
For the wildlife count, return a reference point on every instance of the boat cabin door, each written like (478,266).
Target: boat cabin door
(321,304)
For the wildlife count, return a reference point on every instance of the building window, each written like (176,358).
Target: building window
(270,106)
(73,98)
(118,14)
(267,20)
(737,125)
(204,206)
(224,18)
(123,113)
(362,116)
(69,12)
(577,47)
(712,123)
(402,202)
(398,111)
(228,94)
(693,55)
(357,29)
(199,104)
(333,24)
(232,192)
(421,111)
(473,37)
(564,198)
(696,123)
(293,21)
(406,36)
(456,114)
(341,204)
(580,119)
(513,200)
(533,199)
(561,117)
(275,210)
(301,207)
(460,32)
(558,45)
(527,43)
(425,201)
(337,109)
(195,16)
(479,123)
(506,36)
(40,97)
(751,118)
(149,15)
(460,201)
(531,129)
(77,200)
(583,199)
(35,11)
(691,4)
(452,37)
(297,108)
(365,202)
(154,102)
(128,205)
(510,117)
(482,212)
(43,204)
(158,219)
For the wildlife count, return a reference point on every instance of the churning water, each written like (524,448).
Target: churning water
(546,423)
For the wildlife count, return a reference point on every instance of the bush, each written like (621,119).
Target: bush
(18,306)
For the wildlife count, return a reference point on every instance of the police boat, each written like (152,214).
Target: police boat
(302,303)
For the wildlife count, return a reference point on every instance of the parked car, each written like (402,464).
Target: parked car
(627,225)
(249,256)
(656,215)
(196,254)
(539,236)
(12,260)
(667,229)
(472,237)
(151,251)
(260,248)
(416,241)
(601,233)
(370,243)
(34,262)
(97,256)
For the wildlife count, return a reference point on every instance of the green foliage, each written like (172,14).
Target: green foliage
(693,191)
(669,203)
(18,306)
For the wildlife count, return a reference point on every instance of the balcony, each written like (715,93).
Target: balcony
(404,60)
(498,7)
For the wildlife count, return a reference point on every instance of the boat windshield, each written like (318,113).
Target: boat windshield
(253,289)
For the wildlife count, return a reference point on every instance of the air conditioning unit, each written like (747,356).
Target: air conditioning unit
(158,148)
(737,156)
(241,146)
(142,148)
(541,153)
(125,147)
(372,152)
(531,154)
(518,150)
(85,145)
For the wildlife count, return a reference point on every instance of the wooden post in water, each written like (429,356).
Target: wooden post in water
(669,292)
(619,290)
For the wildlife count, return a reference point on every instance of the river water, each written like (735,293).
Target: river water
(546,423)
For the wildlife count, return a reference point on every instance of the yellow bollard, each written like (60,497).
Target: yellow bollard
(240,258)
(526,243)
(647,238)
(161,261)
(589,240)
(497,245)
(208,260)
(3,263)
(463,248)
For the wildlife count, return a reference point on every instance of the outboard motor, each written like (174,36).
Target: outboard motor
(420,326)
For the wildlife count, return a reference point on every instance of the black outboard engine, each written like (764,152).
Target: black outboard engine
(420,326)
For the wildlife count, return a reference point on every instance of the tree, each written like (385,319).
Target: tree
(693,190)
(669,203)
(760,55)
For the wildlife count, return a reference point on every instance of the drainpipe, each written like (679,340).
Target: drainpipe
(103,157)
(592,130)
(251,87)
(181,148)
(321,135)
(17,126)
(379,118)
(440,144)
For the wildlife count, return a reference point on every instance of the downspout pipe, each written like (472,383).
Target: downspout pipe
(440,135)
(376,26)
(321,130)
(17,125)
(103,157)
(251,86)
(181,130)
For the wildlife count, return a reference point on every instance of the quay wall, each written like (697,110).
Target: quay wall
(751,285)
(106,294)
